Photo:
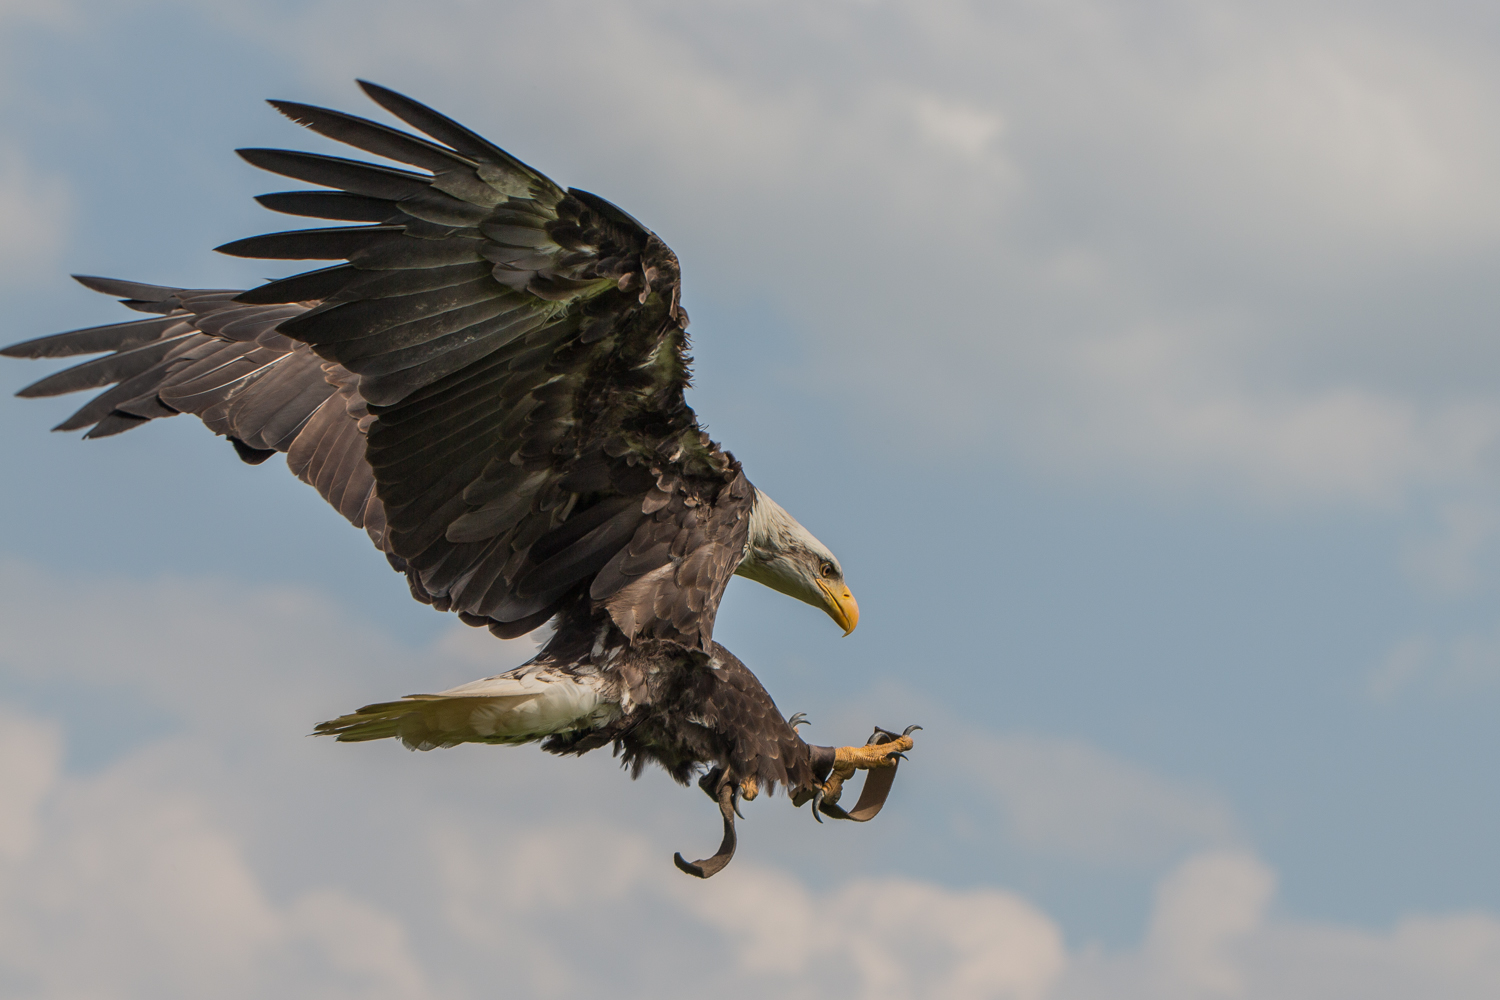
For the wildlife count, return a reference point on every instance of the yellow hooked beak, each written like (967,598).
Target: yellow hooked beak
(840,605)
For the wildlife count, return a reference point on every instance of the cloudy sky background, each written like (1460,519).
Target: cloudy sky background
(1139,361)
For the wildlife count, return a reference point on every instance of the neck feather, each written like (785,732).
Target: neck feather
(772,529)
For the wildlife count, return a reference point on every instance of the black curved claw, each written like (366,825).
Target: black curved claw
(817,805)
(798,719)
(898,755)
(876,740)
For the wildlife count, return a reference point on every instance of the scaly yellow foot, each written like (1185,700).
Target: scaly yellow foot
(871,756)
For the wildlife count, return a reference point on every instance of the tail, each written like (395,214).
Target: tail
(519,706)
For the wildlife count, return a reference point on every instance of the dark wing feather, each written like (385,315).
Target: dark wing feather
(223,361)
(491,382)
(521,353)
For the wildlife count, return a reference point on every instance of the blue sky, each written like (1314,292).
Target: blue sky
(1138,361)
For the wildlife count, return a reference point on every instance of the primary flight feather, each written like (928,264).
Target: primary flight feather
(490,383)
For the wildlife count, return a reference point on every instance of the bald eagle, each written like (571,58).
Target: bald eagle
(490,383)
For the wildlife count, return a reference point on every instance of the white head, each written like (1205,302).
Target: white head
(785,556)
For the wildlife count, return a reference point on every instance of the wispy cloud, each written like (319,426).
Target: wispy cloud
(1466,663)
(1066,799)
(234,857)
(1212,935)
(139,884)
(1228,229)
(37,208)
(1188,248)
(1450,562)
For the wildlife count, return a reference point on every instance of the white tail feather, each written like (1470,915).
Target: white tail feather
(518,706)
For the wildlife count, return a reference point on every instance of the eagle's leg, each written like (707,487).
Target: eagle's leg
(881,753)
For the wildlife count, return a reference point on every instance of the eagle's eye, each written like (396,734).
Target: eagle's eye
(828,571)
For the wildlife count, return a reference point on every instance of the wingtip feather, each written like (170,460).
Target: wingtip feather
(438,125)
(120,288)
(287,108)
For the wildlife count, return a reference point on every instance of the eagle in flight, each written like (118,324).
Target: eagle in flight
(490,383)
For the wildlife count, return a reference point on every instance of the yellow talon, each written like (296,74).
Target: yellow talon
(847,760)
(749,789)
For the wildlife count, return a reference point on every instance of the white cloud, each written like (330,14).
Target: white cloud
(1343,129)
(870,938)
(1211,937)
(1194,247)
(1449,562)
(1065,798)
(1406,661)
(37,209)
(200,648)
(1180,420)
(44,11)
(236,858)
(137,889)
(885,938)
(1203,910)
(134,890)
(30,756)
(1456,666)
(978,210)
(969,131)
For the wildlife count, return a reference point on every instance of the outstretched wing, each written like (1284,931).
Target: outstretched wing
(513,357)
(206,354)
